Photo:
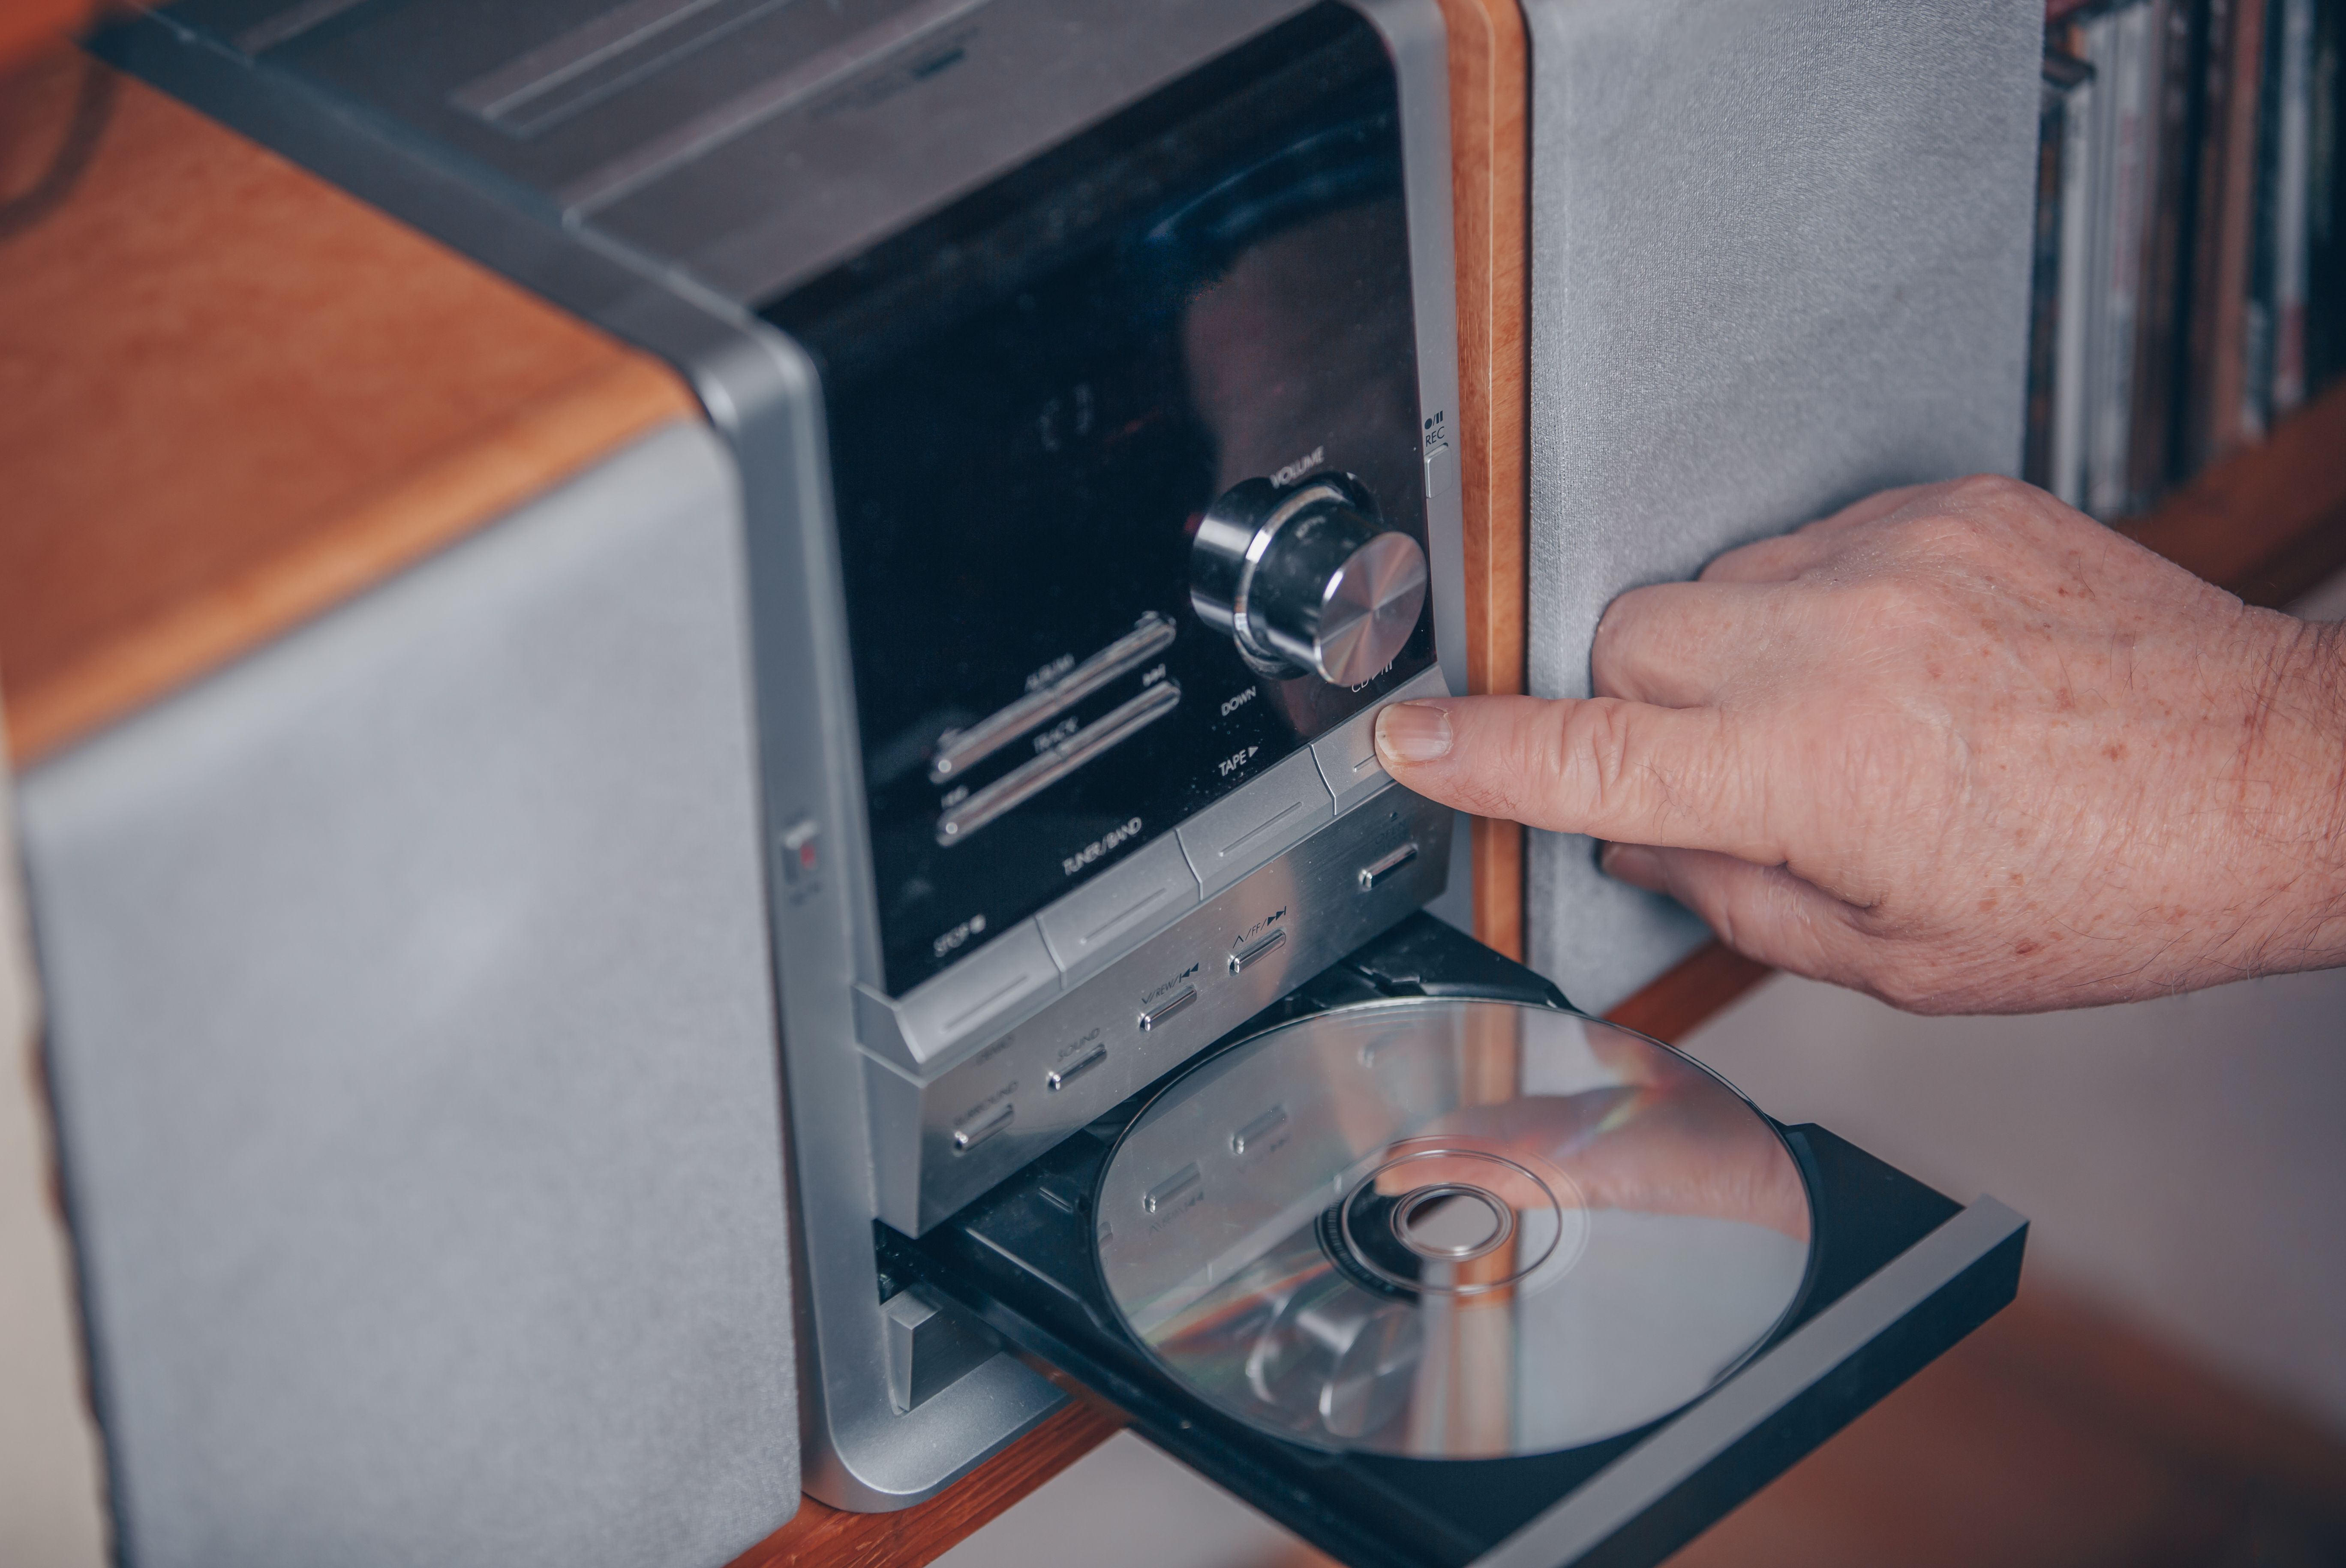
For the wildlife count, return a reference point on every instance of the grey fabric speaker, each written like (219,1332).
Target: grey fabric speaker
(411,1038)
(1779,258)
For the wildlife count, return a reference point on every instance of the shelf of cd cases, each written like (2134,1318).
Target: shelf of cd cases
(2189,286)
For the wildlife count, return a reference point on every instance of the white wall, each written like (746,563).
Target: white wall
(2183,1161)
(1128,1505)
(51,1513)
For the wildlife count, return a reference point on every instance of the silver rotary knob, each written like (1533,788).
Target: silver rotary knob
(1307,580)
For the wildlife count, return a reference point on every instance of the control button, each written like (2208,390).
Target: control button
(1075,1068)
(1120,909)
(1257,1132)
(957,750)
(1061,1194)
(1382,869)
(927,1350)
(1348,753)
(969,1134)
(1171,1190)
(802,846)
(1249,825)
(1307,579)
(1441,457)
(1441,471)
(1028,780)
(1168,1008)
(1248,955)
(995,986)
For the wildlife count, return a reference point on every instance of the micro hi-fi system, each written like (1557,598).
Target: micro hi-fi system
(1087,377)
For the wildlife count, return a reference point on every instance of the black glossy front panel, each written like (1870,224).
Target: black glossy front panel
(1033,395)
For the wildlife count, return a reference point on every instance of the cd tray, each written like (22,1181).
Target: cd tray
(1898,1273)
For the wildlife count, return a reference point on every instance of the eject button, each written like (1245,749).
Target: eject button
(1348,753)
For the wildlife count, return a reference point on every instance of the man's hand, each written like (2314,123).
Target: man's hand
(1958,746)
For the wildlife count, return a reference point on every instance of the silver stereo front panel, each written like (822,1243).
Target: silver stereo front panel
(404,104)
(944,1139)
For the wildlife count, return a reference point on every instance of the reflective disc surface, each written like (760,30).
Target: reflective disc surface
(1451,1230)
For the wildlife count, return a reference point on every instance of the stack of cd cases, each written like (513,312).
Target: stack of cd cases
(2190,285)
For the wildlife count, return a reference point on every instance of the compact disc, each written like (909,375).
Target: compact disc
(1451,1230)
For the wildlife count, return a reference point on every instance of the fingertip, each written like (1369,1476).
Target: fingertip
(1634,864)
(1411,734)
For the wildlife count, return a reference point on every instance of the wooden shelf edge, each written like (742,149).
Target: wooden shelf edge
(2269,522)
(1691,993)
(915,1536)
(1490,95)
(369,542)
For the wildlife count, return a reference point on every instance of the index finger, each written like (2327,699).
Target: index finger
(1680,777)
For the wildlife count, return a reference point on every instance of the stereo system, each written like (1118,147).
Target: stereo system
(1087,377)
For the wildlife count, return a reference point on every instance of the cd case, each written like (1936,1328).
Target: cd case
(1894,1274)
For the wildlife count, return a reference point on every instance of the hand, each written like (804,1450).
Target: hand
(1958,746)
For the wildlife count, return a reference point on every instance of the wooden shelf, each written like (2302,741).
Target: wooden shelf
(2270,522)
(911,1537)
(235,396)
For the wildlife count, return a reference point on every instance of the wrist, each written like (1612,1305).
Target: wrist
(2291,798)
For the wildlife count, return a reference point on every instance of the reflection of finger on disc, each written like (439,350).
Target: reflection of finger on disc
(1339,1357)
(1440,1256)
(1395,1227)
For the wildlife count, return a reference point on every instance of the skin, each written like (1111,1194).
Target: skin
(1958,745)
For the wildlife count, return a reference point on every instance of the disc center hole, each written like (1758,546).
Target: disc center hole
(1450,1223)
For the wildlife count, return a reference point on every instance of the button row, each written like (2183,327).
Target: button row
(1255,1135)
(1028,780)
(957,750)
(1083,933)
(1075,1068)
(1244,958)
(969,1134)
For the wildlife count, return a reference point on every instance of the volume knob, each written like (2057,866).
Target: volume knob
(1307,580)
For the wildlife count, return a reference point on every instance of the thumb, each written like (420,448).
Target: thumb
(1764,912)
(1625,771)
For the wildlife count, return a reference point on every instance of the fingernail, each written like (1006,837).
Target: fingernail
(1413,732)
(1634,864)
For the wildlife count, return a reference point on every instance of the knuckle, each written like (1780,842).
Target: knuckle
(1500,768)
(1591,743)
(1992,490)
(1636,628)
(1890,603)
(1950,535)
(1630,611)
(1757,558)
(1617,777)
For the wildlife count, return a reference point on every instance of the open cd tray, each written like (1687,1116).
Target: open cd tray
(1897,1273)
